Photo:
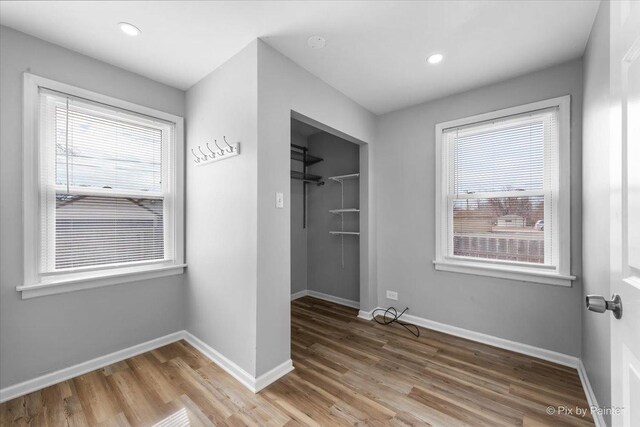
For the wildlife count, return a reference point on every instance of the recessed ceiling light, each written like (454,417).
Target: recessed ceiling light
(435,58)
(316,42)
(129,29)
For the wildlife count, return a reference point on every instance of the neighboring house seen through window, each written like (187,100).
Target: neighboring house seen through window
(503,196)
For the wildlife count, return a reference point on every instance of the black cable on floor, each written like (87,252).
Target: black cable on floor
(394,317)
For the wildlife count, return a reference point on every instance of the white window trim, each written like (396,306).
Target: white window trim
(33,283)
(558,275)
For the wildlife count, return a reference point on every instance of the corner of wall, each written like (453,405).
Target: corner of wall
(283,88)
(221,211)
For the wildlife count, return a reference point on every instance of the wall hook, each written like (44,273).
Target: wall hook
(198,159)
(230,149)
(221,150)
(200,149)
(213,155)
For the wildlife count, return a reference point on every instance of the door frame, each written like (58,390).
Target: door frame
(368,285)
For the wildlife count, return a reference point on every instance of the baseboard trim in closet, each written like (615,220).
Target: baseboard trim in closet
(326,297)
(331,298)
(299,294)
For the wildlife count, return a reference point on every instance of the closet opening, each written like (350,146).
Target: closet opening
(325,215)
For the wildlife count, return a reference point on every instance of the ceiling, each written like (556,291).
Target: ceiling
(375,52)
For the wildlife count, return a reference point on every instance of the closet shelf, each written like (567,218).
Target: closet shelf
(307,177)
(350,233)
(305,158)
(339,211)
(341,178)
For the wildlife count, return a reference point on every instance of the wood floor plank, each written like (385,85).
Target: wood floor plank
(177,372)
(139,407)
(257,408)
(183,409)
(53,402)
(119,420)
(95,397)
(150,376)
(348,371)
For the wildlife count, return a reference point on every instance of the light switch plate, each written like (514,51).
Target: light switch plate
(279,200)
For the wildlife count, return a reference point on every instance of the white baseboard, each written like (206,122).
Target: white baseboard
(216,357)
(299,294)
(273,375)
(257,384)
(366,315)
(249,381)
(331,298)
(325,297)
(591,397)
(529,350)
(64,374)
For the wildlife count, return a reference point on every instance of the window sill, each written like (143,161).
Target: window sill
(505,272)
(84,281)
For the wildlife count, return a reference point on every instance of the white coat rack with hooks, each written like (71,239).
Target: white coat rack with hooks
(213,152)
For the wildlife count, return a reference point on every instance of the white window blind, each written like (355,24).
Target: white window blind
(104,183)
(502,184)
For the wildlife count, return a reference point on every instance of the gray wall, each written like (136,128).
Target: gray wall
(48,333)
(283,88)
(222,213)
(539,315)
(325,271)
(595,204)
(298,234)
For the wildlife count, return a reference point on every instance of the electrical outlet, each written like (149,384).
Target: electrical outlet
(392,295)
(279,200)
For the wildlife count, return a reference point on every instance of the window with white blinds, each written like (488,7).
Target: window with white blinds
(497,192)
(500,183)
(103,188)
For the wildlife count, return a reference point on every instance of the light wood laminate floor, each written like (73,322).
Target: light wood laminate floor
(347,371)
